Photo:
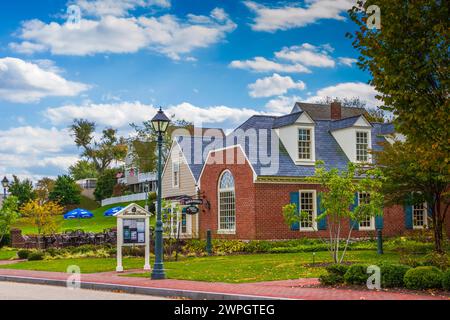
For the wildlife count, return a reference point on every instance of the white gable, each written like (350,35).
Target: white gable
(305,118)
(362,122)
(133,210)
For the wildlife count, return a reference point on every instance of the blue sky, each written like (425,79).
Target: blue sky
(214,62)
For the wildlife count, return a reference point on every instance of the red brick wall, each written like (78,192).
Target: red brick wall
(259,207)
(270,198)
(244,191)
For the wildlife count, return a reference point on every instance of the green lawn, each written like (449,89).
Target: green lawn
(231,269)
(96,224)
(7,254)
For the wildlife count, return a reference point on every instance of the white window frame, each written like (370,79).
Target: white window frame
(368,133)
(372,219)
(175,184)
(314,204)
(219,190)
(425,217)
(312,146)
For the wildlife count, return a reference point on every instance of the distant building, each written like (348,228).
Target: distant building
(87,187)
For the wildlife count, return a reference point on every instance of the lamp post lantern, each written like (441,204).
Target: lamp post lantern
(160,123)
(5,184)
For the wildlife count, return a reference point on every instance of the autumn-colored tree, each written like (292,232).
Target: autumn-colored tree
(43,188)
(42,215)
(414,182)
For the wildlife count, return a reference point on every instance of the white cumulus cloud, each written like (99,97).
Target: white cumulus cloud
(282,104)
(308,55)
(271,19)
(23,82)
(121,114)
(116,7)
(274,85)
(260,64)
(165,34)
(360,90)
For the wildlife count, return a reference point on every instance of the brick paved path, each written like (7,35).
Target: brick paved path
(288,289)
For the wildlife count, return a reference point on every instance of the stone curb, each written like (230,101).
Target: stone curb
(161,292)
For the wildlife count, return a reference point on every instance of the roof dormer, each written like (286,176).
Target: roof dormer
(297,133)
(354,136)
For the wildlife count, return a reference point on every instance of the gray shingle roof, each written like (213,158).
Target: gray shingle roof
(327,148)
(343,123)
(323,111)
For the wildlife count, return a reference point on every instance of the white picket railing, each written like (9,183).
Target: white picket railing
(128,198)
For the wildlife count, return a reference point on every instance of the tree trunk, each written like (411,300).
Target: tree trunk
(438,226)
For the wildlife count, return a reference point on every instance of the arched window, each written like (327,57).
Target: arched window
(227,203)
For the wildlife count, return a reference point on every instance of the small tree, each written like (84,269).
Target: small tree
(42,215)
(83,169)
(23,190)
(105,184)
(337,198)
(66,191)
(43,189)
(9,214)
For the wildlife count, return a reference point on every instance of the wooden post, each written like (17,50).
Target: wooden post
(119,267)
(147,266)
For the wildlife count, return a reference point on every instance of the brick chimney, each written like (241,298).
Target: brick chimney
(336,110)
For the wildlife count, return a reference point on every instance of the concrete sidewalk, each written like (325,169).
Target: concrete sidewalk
(289,289)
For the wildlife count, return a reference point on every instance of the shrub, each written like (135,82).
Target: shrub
(423,278)
(356,274)
(23,254)
(330,279)
(134,251)
(392,275)
(36,255)
(446,280)
(437,260)
(335,274)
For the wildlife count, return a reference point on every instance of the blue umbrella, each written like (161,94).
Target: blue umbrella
(112,211)
(78,214)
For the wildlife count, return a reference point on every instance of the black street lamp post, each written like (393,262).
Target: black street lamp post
(5,184)
(159,123)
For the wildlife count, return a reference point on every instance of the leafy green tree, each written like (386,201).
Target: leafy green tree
(103,152)
(144,146)
(9,213)
(408,59)
(411,181)
(105,184)
(66,191)
(336,200)
(83,169)
(23,190)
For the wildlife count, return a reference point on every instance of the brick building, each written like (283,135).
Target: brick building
(247,178)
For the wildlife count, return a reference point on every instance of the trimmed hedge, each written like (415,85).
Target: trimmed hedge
(23,254)
(36,255)
(446,280)
(356,274)
(392,275)
(421,278)
(335,274)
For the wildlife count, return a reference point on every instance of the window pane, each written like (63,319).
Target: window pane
(307,205)
(419,217)
(362,145)
(304,144)
(227,203)
(364,198)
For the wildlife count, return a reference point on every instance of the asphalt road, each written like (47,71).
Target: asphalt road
(21,291)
